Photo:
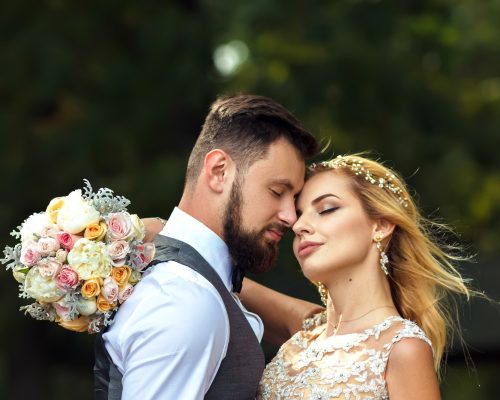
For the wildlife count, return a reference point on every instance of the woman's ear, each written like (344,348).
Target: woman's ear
(383,229)
(218,170)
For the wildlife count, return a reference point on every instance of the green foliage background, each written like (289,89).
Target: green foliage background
(116,92)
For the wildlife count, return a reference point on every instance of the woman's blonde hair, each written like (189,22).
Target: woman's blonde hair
(422,272)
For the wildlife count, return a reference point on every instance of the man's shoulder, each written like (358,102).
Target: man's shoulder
(171,292)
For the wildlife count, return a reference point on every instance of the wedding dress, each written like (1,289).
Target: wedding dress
(349,366)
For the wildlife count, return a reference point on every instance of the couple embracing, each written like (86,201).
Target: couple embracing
(185,334)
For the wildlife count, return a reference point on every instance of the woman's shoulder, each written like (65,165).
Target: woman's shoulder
(408,336)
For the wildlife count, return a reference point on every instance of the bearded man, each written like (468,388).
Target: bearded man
(184,334)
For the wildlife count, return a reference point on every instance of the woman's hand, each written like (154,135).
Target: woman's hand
(152,227)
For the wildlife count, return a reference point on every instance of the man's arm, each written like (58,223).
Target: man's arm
(282,315)
(170,337)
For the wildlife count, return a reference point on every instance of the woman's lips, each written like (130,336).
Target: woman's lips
(307,248)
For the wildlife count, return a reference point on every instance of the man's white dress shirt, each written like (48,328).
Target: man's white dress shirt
(169,338)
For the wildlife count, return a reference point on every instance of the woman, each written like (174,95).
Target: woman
(383,279)
(361,239)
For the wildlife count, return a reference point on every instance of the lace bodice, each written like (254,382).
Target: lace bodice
(346,367)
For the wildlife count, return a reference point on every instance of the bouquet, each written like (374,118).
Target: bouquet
(80,259)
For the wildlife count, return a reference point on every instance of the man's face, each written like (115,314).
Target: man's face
(262,206)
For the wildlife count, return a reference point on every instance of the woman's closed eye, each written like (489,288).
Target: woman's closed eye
(328,210)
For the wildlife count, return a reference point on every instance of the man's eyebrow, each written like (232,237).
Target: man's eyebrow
(318,199)
(283,182)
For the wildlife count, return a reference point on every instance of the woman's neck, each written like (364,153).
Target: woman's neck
(358,300)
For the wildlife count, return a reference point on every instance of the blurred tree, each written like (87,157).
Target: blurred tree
(116,92)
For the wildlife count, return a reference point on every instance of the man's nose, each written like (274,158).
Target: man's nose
(287,214)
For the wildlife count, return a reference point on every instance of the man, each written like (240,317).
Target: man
(183,334)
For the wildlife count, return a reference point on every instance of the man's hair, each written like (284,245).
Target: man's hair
(244,126)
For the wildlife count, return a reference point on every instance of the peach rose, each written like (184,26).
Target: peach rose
(54,207)
(80,324)
(91,287)
(95,231)
(104,305)
(121,274)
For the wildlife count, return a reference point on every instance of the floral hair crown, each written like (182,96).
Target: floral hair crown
(356,166)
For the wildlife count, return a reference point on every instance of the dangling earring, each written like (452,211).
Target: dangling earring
(323,293)
(384,260)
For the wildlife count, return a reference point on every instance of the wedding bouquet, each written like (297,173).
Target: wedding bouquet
(80,259)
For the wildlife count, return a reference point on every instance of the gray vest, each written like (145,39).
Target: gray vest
(240,371)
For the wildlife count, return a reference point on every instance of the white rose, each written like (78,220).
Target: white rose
(33,227)
(41,289)
(90,259)
(76,213)
(19,272)
(137,227)
(61,255)
(86,306)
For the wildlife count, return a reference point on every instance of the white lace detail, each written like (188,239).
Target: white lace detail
(349,367)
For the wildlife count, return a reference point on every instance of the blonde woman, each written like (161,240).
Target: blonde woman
(383,279)
(360,237)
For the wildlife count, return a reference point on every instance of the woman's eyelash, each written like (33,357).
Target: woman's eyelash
(328,210)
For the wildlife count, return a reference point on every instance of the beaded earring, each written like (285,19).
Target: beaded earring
(384,260)
(323,293)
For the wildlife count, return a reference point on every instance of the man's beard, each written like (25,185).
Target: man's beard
(251,251)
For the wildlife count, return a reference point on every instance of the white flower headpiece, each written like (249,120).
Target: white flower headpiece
(356,166)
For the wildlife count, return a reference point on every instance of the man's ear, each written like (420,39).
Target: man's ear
(218,170)
(383,229)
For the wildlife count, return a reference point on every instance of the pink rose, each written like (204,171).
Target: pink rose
(62,310)
(118,251)
(50,230)
(125,293)
(67,240)
(67,278)
(110,289)
(48,246)
(143,255)
(120,226)
(30,254)
(49,267)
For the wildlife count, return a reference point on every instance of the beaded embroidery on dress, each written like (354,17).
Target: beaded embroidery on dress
(349,367)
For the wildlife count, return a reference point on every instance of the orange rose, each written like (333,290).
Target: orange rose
(54,207)
(80,324)
(121,274)
(103,305)
(91,287)
(95,231)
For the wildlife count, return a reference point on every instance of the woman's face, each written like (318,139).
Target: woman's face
(333,232)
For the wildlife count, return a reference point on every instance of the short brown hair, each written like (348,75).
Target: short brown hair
(245,126)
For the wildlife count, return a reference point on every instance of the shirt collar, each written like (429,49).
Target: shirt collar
(184,227)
